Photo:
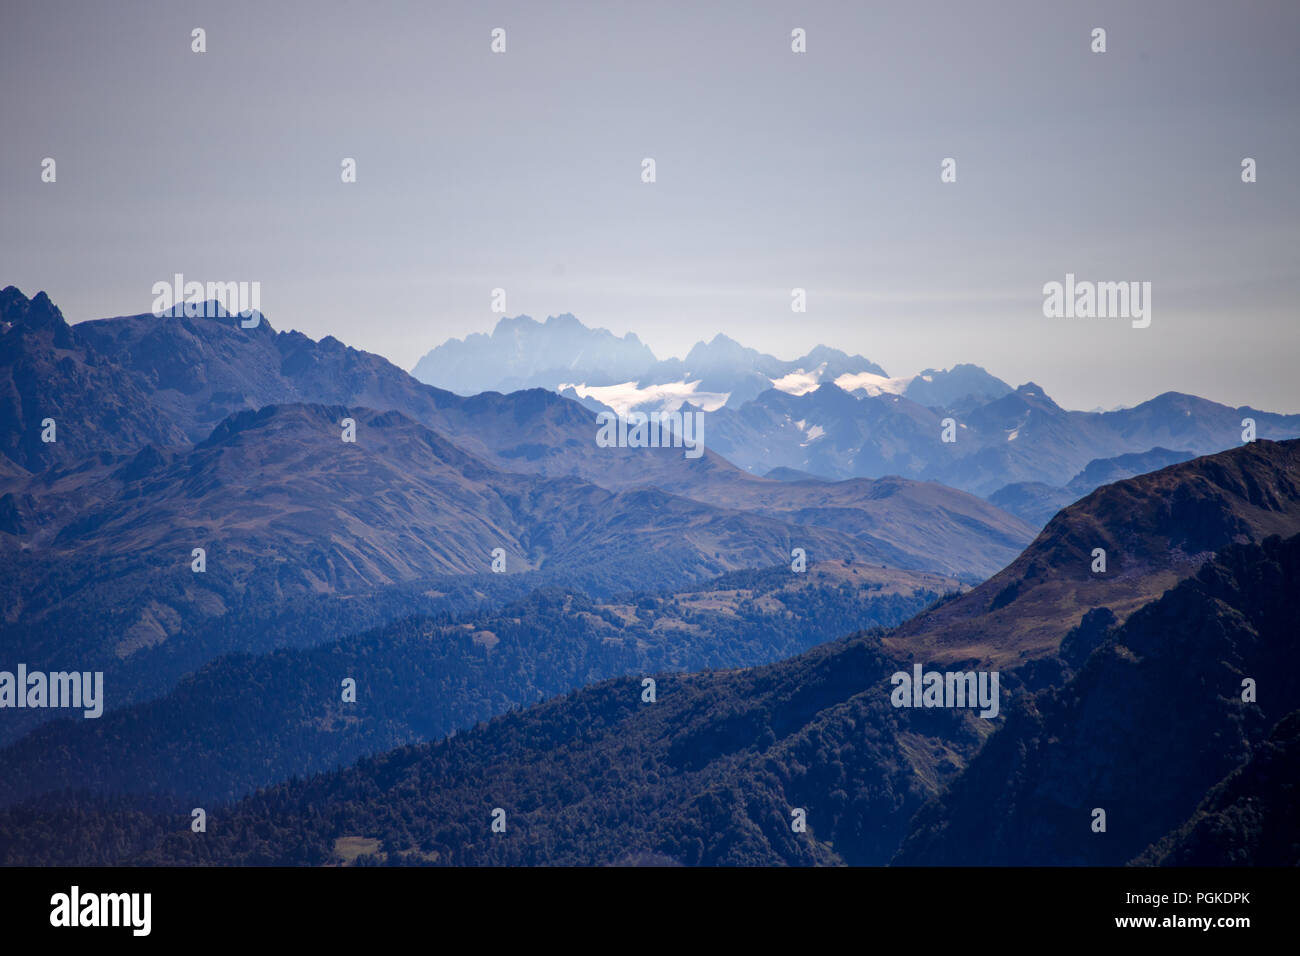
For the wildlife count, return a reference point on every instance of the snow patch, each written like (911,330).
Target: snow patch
(800,382)
(873,384)
(811,432)
(664,398)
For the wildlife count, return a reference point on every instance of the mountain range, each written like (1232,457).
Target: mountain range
(710,773)
(503,590)
(711,769)
(424,677)
(622,374)
(837,416)
(176,433)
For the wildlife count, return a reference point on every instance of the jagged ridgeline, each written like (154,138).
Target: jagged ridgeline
(831,415)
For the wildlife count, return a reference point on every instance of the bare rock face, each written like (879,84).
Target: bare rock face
(50,373)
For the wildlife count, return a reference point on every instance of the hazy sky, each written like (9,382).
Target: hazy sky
(820,170)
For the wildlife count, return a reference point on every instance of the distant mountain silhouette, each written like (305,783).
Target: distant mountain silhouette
(1037,502)
(1020,437)
(839,416)
(523,353)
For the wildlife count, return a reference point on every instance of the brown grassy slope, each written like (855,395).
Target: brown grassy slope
(1157,529)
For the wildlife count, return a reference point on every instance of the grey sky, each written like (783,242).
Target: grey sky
(775,170)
